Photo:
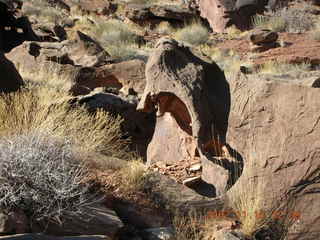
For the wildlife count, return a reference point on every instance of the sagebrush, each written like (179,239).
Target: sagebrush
(43,176)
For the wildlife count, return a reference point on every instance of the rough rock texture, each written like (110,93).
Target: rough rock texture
(196,95)
(139,126)
(10,79)
(32,236)
(174,196)
(223,13)
(214,12)
(262,40)
(171,13)
(262,36)
(275,127)
(181,146)
(61,57)
(86,52)
(97,220)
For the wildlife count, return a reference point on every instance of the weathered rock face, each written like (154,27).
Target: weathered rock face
(263,39)
(61,57)
(138,125)
(223,13)
(196,95)
(275,127)
(171,13)
(214,11)
(86,52)
(10,79)
(96,220)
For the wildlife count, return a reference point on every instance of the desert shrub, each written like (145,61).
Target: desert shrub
(164,28)
(43,11)
(113,32)
(118,38)
(25,111)
(315,33)
(259,21)
(133,175)
(127,52)
(43,176)
(294,20)
(234,33)
(278,24)
(189,226)
(275,67)
(193,34)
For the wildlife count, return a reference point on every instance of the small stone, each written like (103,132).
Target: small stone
(195,167)
(163,233)
(191,181)
(263,36)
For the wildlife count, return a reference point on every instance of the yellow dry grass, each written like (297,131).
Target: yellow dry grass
(193,34)
(133,175)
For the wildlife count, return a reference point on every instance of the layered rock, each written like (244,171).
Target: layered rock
(82,62)
(262,40)
(142,13)
(214,12)
(195,94)
(275,128)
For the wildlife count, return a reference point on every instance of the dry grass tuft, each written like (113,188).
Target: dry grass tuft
(164,28)
(133,175)
(188,227)
(293,20)
(193,34)
(119,39)
(25,111)
(315,32)
(274,67)
(43,11)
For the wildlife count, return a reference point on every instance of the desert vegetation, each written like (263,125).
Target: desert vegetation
(163,118)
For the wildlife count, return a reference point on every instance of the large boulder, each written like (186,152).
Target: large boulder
(224,13)
(138,125)
(275,128)
(95,220)
(196,94)
(10,79)
(214,12)
(144,12)
(83,70)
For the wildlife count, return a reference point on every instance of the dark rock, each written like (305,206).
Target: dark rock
(275,128)
(139,126)
(96,220)
(170,13)
(189,94)
(10,79)
(263,36)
